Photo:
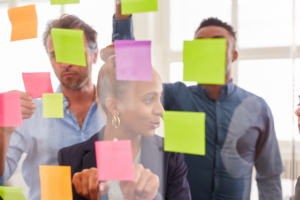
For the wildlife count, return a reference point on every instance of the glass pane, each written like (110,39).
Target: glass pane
(265,23)
(186,16)
(272,80)
(97,14)
(176,74)
(25,55)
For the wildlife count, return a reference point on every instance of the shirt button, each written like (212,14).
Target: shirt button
(218,103)
(82,133)
(220,125)
(68,112)
(65,102)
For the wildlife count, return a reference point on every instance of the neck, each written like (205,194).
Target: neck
(80,95)
(214,91)
(111,133)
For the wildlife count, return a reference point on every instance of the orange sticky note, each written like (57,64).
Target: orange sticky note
(56,182)
(24,22)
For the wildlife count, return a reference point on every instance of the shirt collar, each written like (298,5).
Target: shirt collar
(226,90)
(66,102)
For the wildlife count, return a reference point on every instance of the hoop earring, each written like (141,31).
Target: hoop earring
(116,122)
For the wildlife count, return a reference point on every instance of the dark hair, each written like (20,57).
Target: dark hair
(71,22)
(216,22)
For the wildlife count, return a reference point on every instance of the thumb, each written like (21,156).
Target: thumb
(104,187)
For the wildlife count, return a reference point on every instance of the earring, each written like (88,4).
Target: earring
(116,122)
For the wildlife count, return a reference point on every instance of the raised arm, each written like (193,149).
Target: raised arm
(122,25)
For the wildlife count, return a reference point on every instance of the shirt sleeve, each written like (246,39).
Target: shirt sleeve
(269,164)
(18,145)
(122,29)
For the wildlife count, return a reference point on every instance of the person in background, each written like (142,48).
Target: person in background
(133,110)
(41,138)
(297,188)
(240,131)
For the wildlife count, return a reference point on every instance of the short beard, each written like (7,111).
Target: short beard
(72,85)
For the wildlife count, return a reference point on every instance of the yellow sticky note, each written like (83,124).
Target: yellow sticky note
(53,105)
(11,193)
(138,6)
(56,183)
(185,132)
(204,61)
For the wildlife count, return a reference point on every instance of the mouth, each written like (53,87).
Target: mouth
(68,74)
(155,124)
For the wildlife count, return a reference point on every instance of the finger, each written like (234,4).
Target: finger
(104,187)
(28,104)
(85,184)
(25,96)
(151,188)
(77,183)
(24,116)
(27,111)
(145,176)
(93,186)
(128,192)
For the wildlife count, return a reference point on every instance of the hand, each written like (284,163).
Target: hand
(144,187)
(118,14)
(87,185)
(27,108)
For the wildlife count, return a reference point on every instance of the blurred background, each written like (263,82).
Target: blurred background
(267,39)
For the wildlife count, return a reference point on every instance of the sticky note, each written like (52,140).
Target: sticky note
(37,83)
(24,22)
(10,109)
(114,160)
(204,61)
(133,60)
(11,193)
(137,6)
(62,2)
(185,132)
(53,105)
(68,46)
(56,182)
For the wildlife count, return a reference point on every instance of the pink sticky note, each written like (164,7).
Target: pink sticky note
(133,60)
(114,160)
(10,109)
(36,84)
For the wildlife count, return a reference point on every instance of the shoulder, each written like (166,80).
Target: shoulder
(177,87)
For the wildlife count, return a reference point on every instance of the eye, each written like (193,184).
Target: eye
(149,100)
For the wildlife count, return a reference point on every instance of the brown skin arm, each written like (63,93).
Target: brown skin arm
(118,14)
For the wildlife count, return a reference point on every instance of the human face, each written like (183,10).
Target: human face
(140,109)
(219,32)
(72,77)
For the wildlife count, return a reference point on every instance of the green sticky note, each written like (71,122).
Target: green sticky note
(11,193)
(53,105)
(62,2)
(136,6)
(68,46)
(204,61)
(185,132)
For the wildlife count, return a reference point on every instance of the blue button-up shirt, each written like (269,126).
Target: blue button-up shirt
(239,136)
(41,139)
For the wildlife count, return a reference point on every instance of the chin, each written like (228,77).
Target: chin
(149,133)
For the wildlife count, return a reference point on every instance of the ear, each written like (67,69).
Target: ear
(112,105)
(235,56)
(95,55)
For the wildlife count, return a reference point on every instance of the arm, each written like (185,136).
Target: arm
(27,108)
(269,165)
(177,186)
(122,25)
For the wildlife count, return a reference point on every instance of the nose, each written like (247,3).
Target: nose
(159,109)
(65,65)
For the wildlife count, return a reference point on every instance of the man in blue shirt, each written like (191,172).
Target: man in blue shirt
(240,131)
(41,138)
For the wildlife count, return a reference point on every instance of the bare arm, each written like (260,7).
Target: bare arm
(28,109)
(118,14)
